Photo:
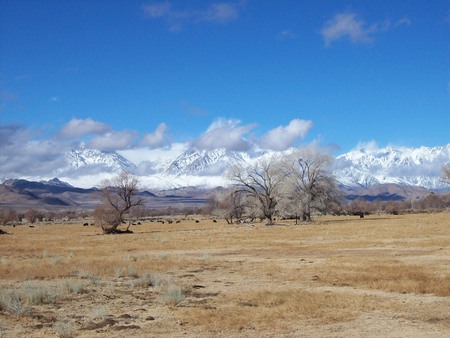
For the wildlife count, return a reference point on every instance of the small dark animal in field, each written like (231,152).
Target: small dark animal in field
(197,221)
(85,224)
(170,222)
(139,223)
(361,215)
(214,221)
(31,226)
(178,221)
(162,222)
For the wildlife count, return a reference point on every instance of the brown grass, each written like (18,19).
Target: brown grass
(337,276)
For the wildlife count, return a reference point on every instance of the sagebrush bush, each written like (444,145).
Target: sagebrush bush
(173,295)
(11,302)
(64,329)
(35,293)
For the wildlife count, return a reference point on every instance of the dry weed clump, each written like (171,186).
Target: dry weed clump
(64,329)
(173,295)
(27,294)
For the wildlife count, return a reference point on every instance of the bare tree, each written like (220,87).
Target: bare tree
(33,215)
(119,196)
(7,215)
(309,184)
(229,204)
(262,183)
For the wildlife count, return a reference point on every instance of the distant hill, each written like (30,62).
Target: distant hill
(55,194)
(388,192)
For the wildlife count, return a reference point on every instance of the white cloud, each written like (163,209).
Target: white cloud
(80,127)
(284,137)
(114,140)
(228,134)
(287,34)
(218,13)
(155,139)
(369,146)
(157,10)
(348,25)
(21,156)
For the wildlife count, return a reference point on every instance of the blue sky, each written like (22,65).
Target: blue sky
(121,75)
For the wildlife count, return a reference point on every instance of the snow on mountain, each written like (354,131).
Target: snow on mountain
(367,167)
(204,162)
(83,157)
(57,183)
(181,165)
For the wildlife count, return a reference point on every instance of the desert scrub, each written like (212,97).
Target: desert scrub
(132,271)
(173,295)
(64,329)
(34,293)
(158,280)
(146,281)
(11,302)
(3,330)
(118,270)
(99,312)
(73,286)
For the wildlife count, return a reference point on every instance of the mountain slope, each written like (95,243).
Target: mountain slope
(367,167)
(204,162)
(84,157)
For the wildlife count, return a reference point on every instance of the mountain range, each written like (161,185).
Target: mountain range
(188,177)
(367,167)
(358,169)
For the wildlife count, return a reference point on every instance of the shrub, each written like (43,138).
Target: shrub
(64,329)
(173,295)
(11,302)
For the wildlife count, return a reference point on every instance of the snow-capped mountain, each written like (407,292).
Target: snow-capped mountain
(57,183)
(187,166)
(367,167)
(84,157)
(205,162)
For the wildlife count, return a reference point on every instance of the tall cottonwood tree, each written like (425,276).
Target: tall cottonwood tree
(309,184)
(261,183)
(120,197)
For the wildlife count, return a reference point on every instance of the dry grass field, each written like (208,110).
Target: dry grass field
(381,276)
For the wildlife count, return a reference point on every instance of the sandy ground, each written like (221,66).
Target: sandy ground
(382,276)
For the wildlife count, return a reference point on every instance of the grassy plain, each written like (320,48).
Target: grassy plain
(381,276)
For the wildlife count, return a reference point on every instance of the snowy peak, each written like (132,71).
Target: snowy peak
(83,157)
(204,162)
(57,183)
(406,166)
